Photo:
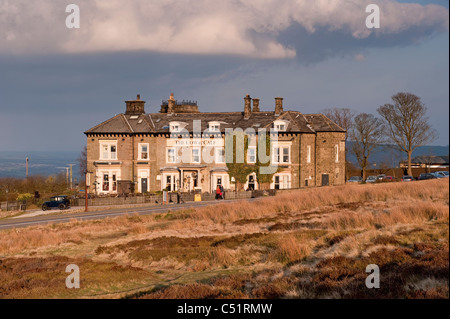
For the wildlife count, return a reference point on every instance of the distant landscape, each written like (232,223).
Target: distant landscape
(12,164)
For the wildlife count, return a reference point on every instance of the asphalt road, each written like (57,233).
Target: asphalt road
(64,218)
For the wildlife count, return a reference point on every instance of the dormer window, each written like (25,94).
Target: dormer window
(214,126)
(280,126)
(175,127)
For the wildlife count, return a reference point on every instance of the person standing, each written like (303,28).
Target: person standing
(222,192)
(218,192)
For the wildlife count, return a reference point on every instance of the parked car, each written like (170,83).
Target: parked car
(425,176)
(407,178)
(371,179)
(445,173)
(388,179)
(381,177)
(355,179)
(61,202)
(439,174)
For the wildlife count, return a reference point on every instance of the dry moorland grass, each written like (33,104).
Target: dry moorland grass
(311,243)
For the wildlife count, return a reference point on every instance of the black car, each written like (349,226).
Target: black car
(61,202)
(425,176)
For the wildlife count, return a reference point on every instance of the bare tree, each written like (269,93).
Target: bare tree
(82,161)
(407,125)
(367,133)
(342,117)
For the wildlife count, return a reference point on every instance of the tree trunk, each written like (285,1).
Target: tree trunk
(409,163)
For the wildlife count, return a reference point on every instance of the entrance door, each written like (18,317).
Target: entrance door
(325,180)
(190,181)
(144,186)
(277,182)
(251,182)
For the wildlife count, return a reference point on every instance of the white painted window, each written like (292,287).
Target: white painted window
(174,126)
(143,151)
(251,154)
(308,154)
(276,154)
(196,155)
(170,182)
(281,181)
(214,126)
(280,126)
(286,157)
(220,155)
(171,155)
(281,154)
(107,181)
(108,150)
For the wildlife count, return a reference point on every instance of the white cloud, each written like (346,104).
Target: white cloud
(234,27)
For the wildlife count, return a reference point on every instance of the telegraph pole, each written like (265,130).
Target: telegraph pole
(26,161)
(71,175)
(67,176)
(86,190)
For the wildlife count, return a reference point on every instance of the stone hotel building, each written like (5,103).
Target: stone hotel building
(134,151)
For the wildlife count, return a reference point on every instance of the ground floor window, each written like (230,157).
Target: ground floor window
(281,181)
(170,182)
(107,181)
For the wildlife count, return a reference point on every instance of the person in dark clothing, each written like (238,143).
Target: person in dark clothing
(222,192)
(218,192)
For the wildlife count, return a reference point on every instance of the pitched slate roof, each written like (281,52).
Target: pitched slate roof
(159,122)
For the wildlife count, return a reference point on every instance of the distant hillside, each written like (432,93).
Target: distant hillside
(12,164)
(389,155)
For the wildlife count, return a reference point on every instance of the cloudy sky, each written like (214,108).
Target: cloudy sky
(56,82)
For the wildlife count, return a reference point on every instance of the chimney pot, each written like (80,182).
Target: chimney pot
(171,104)
(247,107)
(256,105)
(278,105)
(135,107)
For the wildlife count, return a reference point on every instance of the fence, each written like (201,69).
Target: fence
(171,198)
(20,206)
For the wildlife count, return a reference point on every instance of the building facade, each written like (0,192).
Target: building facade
(183,149)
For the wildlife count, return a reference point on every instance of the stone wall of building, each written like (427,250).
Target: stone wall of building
(307,168)
(326,164)
(302,172)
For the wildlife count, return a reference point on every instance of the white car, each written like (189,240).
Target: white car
(371,179)
(442,174)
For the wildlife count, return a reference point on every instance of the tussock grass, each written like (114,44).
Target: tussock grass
(311,243)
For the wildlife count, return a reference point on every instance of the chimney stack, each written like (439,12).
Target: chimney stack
(278,105)
(248,107)
(135,107)
(171,104)
(256,105)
